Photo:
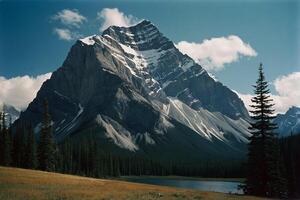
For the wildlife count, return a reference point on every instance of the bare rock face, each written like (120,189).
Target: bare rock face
(11,113)
(288,123)
(142,95)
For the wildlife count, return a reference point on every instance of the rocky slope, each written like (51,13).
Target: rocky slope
(133,87)
(288,123)
(12,114)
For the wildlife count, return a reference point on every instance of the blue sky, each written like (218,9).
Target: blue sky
(29,45)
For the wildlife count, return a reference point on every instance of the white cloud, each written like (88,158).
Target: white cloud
(20,91)
(114,17)
(70,17)
(66,34)
(246,99)
(287,89)
(212,54)
(63,34)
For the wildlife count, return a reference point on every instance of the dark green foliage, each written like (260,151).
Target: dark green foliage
(30,150)
(19,146)
(86,156)
(264,168)
(24,148)
(290,149)
(5,143)
(47,146)
(1,141)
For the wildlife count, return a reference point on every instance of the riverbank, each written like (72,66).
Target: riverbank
(19,184)
(240,180)
(228,186)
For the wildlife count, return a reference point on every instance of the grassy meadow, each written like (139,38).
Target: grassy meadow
(22,184)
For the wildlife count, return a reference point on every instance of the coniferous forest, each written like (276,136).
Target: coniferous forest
(271,160)
(88,159)
(272,168)
(149,100)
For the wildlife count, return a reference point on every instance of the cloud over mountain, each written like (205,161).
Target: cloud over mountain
(63,34)
(214,53)
(71,20)
(20,91)
(114,17)
(70,17)
(287,88)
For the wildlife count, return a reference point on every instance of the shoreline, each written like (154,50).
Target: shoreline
(241,180)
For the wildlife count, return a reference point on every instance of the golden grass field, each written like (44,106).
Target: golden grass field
(22,184)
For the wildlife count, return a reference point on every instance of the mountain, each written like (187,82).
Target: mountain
(11,112)
(289,122)
(136,91)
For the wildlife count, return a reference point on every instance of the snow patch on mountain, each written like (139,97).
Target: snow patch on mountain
(11,113)
(144,59)
(73,122)
(88,40)
(163,125)
(144,138)
(207,124)
(63,131)
(117,133)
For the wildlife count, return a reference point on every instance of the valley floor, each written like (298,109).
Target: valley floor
(20,184)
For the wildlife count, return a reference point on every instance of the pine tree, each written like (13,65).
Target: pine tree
(19,141)
(30,150)
(5,143)
(1,141)
(264,169)
(46,147)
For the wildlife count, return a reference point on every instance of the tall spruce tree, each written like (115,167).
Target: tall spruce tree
(30,150)
(47,146)
(1,141)
(5,143)
(19,143)
(264,168)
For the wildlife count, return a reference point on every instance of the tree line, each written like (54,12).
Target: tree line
(86,157)
(21,148)
(290,150)
(272,168)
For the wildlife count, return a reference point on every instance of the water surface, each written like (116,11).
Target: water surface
(203,185)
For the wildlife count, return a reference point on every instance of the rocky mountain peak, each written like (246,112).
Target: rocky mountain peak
(133,87)
(142,36)
(293,110)
(144,52)
(288,122)
(11,112)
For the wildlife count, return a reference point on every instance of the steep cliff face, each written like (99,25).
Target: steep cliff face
(168,72)
(134,87)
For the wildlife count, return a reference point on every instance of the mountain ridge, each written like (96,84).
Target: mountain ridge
(289,122)
(167,76)
(135,89)
(11,112)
